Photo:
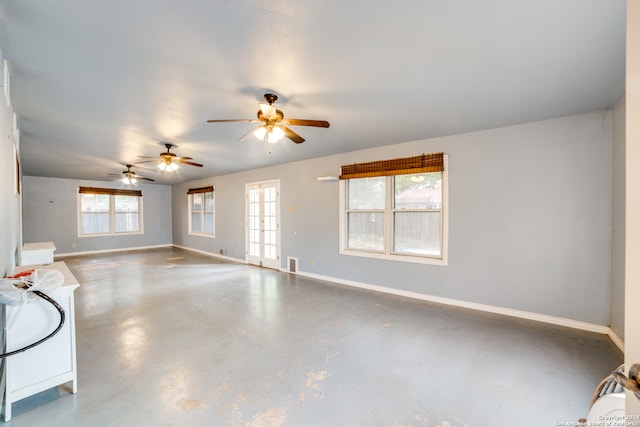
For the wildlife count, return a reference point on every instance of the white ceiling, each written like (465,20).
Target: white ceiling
(95,84)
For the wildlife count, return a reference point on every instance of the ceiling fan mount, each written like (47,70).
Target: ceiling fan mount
(270,98)
(168,153)
(273,125)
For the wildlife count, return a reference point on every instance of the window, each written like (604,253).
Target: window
(108,211)
(395,209)
(201,211)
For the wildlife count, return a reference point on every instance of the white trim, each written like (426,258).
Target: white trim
(102,251)
(260,260)
(388,218)
(616,340)
(560,321)
(112,218)
(416,259)
(213,254)
(202,212)
(6,82)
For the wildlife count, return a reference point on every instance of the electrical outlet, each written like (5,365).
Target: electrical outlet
(73,245)
(312,262)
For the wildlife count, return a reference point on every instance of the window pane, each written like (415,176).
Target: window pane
(208,201)
(126,203)
(127,222)
(95,223)
(366,231)
(418,191)
(417,233)
(196,225)
(95,202)
(196,200)
(208,223)
(366,193)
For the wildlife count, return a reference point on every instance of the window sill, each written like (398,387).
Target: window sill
(110,234)
(209,236)
(400,258)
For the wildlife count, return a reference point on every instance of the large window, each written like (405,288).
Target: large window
(395,212)
(202,211)
(107,211)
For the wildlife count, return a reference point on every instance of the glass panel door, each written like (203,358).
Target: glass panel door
(263,224)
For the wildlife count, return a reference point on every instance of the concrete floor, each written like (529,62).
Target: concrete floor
(168,337)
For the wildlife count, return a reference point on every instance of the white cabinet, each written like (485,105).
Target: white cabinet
(37,253)
(51,363)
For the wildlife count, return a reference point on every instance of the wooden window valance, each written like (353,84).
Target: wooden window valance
(407,165)
(200,190)
(110,191)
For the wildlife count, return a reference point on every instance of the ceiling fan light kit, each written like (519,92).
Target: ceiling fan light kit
(168,161)
(273,124)
(129,177)
(168,166)
(273,134)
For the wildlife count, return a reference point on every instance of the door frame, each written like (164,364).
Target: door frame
(263,262)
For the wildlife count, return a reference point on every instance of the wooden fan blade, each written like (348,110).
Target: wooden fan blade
(292,135)
(142,177)
(231,120)
(189,163)
(148,157)
(148,161)
(305,122)
(183,158)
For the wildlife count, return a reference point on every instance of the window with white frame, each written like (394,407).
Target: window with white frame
(395,209)
(202,211)
(109,211)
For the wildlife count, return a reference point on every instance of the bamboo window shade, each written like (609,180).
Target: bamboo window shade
(407,165)
(200,190)
(110,191)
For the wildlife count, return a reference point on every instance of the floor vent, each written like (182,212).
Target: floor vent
(293,264)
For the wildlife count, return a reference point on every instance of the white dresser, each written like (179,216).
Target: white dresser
(51,363)
(37,253)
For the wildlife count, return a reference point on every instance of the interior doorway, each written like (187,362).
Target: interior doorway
(262,229)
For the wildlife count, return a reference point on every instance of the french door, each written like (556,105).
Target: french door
(263,223)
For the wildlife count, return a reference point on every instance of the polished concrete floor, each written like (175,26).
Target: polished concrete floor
(168,337)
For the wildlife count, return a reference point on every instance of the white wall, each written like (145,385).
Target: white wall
(530,218)
(50,214)
(618,219)
(632,266)
(10,243)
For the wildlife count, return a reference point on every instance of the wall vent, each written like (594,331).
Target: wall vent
(293,264)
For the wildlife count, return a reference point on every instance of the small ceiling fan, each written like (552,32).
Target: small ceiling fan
(129,176)
(168,161)
(273,124)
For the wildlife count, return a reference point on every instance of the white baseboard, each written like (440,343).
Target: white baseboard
(102,251)
(616,340)
(213,254)
(560,321)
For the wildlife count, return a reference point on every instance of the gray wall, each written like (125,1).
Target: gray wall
(10,233)
(618,219)
(530,218)
(50,214)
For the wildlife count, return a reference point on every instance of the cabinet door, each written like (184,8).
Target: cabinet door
(34,321)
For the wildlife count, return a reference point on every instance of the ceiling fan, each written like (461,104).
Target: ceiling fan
(129,176)
(273,124)
(168,161)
